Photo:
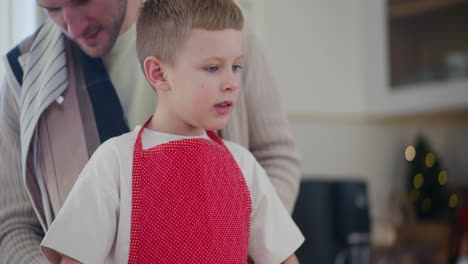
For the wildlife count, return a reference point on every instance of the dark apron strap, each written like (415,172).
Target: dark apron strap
(12,57)
(107,109)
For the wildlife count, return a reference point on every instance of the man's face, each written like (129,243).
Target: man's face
(93,24)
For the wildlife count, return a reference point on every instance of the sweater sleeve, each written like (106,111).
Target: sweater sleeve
(271,140)
(86,226)
(273,234)
(20,230)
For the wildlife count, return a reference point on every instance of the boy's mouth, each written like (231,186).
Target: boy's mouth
(223,107)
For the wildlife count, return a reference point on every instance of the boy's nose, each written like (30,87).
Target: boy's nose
(75,22)
(231,81)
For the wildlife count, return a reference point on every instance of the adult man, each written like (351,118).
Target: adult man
(60,100)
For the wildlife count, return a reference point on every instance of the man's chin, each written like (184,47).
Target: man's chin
(94,51)
(98,45)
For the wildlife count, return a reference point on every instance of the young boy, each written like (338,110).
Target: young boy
(169,192)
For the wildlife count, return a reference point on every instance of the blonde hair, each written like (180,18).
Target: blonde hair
(163,25)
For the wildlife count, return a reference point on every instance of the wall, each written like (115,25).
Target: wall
(18,19)
(4,32)
(316,49)
(356,149)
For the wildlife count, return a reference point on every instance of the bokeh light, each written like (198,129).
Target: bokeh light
(453,202)
(410,153)
(430,160)
(418,181)
(443,176)
(426,205)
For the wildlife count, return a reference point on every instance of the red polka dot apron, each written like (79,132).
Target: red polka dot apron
(190,203)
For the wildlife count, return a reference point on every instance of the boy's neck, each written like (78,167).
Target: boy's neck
(161,123)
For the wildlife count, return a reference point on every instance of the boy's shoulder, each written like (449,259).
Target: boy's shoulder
(123,140)
(117,145)
(240,153)
(233,146)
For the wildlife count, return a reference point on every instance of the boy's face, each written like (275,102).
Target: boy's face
(204,81)
(93,24)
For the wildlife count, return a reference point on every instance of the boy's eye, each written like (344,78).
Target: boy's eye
(236,67)
(212,68)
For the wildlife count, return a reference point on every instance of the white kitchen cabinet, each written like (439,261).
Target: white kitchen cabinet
(425,38)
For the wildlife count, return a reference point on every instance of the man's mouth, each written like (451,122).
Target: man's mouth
(90,36)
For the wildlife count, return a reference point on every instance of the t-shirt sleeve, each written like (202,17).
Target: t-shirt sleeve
(85,226)
(273,234)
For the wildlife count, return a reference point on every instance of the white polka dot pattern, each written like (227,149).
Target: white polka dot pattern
(190,203)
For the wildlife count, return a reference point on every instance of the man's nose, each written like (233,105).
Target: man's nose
(75,22)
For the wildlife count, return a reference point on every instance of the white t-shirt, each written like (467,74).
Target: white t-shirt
(135,94)
(94,223)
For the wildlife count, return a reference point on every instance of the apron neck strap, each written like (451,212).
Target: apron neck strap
(139,145)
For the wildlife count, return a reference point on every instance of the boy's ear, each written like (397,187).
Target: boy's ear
(154,73)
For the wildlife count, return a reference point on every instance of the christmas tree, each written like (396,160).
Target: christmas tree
(427,183)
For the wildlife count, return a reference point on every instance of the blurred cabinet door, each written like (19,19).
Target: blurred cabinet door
(416,56)
(330,214)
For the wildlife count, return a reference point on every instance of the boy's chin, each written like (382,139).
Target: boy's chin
(215,127)
(214,124)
